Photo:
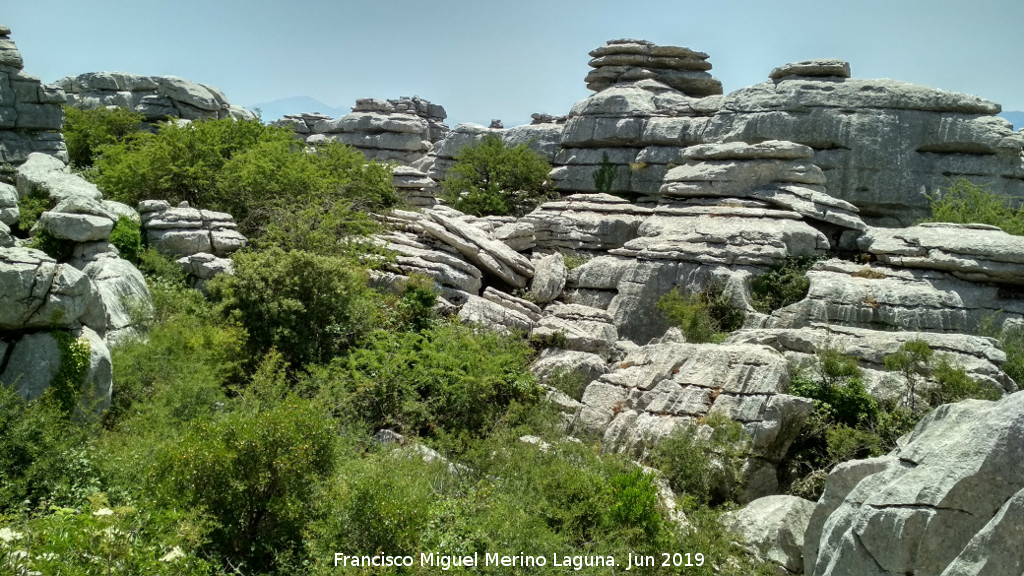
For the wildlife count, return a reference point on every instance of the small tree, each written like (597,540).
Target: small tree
(913,361)
(493,178)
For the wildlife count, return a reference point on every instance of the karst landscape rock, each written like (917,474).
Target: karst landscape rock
(710,192)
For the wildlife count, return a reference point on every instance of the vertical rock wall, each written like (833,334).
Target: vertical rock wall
(30,113)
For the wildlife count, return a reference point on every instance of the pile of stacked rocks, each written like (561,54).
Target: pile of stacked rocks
(84,292)
(628,60)
(414,186)
(157,98)
(30,113)
(200,239)
(400,130)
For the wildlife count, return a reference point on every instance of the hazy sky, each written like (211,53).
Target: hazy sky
(483,59)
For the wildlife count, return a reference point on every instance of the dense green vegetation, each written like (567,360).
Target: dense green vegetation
(784,284)
(87,131)
(257,173)
(967,203)
(493,178)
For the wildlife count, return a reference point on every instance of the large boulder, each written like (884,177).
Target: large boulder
(946,502)
(774,526)
(38,293)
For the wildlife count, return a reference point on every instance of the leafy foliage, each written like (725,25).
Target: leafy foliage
(249,170)
(311,308)
(126,236)
(59,249)
(87,131)
(703,317)
(704,462)
(835,382)
(30,208)
(967,203)
(492,178)
(786,283)
(450,377)
(66,386)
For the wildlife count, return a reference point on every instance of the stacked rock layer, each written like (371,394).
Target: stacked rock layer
(30,113)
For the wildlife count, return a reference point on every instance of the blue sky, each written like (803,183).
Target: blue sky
(484,60)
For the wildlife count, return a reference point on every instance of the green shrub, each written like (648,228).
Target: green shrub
(43,454)
(66,386)
(127,238)
(57,248)
(97,540)
(835,381)
(967,203)
(254,470)
(1011,340)
(450,378)
(87,131)
(310,308)
(784,284)
(492,178)
(30,208)
(913,361)
(705,465)
(703,317)
(252,171)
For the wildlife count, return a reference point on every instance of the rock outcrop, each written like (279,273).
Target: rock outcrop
(947,501)
(156,98)
(30,113)
(627,60)
(400,130)
(774,526)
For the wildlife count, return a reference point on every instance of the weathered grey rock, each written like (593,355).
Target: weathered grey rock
(34,360)
(491,256)
(659,387)
(30,114)
(884,146)
(938,504)
(6,240)
(183,231)
(627,60)
(578,327)
(74,227)
(821,67)
(775,526)
(973,252)
(9,212)
(126,299)
(886,298)
(44,175)
(36,292)
(548,278)
(555,362)
(543,139)
(414,255)
(586,222)
(495,316)
(157,98)
(205,266)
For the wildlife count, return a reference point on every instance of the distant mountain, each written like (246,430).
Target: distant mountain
(1016,118)
(275,109)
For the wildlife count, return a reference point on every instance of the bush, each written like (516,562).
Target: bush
(30,208)
(784,284)
(967,203)
(87,131)
(835,382)
(704,463)
(492,178)
(604,176)
(254,470)
(43,454)
(252,171)
(126,236)
(310,308)
(451,378)
(703,317)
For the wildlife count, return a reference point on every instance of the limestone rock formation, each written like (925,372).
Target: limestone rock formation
(817,68)
(157,98)
(184,231)
(626,60)
(883,145)
(415,186)
(400,130)
(661,386)
(947,501)
(774,526)
(30,113)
